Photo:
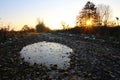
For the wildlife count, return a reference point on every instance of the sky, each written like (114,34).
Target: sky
(18,13)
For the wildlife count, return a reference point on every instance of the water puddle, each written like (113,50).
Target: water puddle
(47,53)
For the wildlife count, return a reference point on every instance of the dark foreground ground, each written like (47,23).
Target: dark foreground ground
(90,60)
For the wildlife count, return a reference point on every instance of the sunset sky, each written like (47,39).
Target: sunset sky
(18,13)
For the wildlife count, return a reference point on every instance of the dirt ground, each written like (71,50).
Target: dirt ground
(90,60)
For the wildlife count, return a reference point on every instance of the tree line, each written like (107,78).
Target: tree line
(6,33)
(99,15)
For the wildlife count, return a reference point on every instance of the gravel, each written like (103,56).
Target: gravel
(90,61)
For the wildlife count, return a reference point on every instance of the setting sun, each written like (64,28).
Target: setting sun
(88,22)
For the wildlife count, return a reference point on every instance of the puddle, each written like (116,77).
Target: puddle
(47,53)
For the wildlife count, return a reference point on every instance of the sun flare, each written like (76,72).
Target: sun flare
(88,22)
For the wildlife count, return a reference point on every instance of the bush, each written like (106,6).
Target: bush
(40,27)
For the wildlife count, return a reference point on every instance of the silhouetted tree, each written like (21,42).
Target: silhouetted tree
(4,32)
(64,25)
(26,28)
(104,12)
(117,18)
(87,13)
(40,27)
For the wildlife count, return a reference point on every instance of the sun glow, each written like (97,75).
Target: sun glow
(89,22)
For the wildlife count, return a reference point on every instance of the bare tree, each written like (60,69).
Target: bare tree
(25,28)
(64,25)
(104,12)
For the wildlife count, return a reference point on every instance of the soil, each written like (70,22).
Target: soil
(90,60)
